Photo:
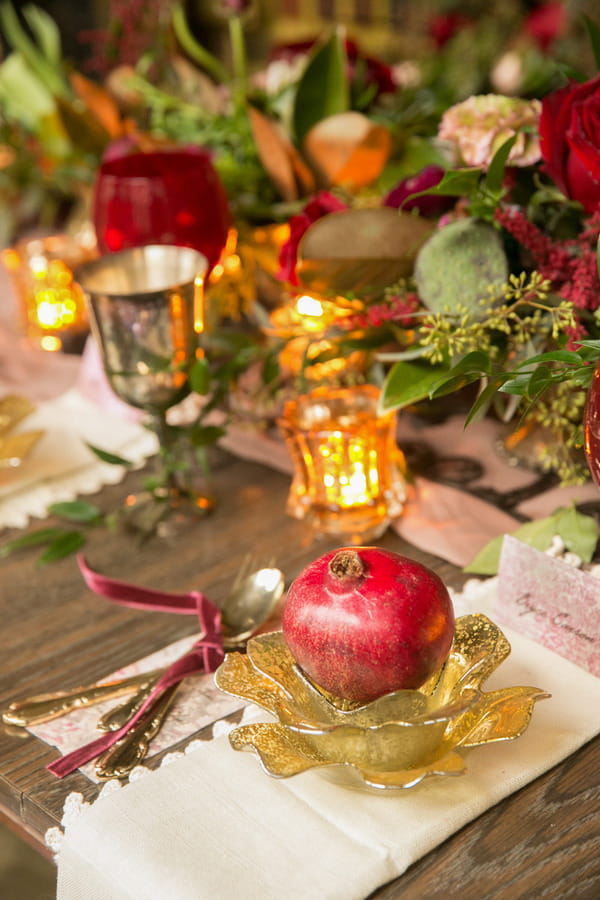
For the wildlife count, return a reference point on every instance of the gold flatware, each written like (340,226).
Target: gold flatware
(43,707)
(119,715)
(248,605)
(131,750)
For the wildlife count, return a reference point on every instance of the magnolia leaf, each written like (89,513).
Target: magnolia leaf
(100,103)
(578,532)
(360,249)
(459,263)
(323,88)
(84,129)
(407,383)
(281,160)
(348,149)
(75,511)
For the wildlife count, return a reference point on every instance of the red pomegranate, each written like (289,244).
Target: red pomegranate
(362,622)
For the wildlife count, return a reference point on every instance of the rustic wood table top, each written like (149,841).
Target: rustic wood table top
(543,841)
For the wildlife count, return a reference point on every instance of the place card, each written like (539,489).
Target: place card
(550,601)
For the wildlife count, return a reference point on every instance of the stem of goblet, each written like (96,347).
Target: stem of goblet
(166,453)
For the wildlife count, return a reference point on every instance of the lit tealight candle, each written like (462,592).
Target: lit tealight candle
(348,471)
(52,303)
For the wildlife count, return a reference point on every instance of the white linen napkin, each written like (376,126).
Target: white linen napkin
(212,825)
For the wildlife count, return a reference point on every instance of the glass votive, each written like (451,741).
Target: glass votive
(348,477)
(50,302)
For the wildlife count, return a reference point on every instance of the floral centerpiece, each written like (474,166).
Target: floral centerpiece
(450,231)
(504,289)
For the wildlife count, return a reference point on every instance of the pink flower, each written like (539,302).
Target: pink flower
(480,125)
(319,205)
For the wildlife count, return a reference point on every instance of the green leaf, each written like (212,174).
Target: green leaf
(482,403)
(110,458)
(455,183)
(206,435)
(45,31)
(75,511)
(271,368)
(34,539)
(194,50)
(539,381)
(199,376)
(323,88)
(495,172)
(67,543)
(594,35)
(407,383)
(17,37)
(578,532)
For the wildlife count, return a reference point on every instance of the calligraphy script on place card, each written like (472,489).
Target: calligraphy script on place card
(551,602)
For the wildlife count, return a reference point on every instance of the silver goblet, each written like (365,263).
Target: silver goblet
(146,308)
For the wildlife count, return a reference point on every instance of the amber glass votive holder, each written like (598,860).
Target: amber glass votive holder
(348,478)
(51,303)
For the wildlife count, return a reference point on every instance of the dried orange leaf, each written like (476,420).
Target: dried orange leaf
(99,102)
(348,149)
(360,249)
(281,160)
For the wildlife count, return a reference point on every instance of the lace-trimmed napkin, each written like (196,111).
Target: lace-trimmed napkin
(213,825)
(60,467)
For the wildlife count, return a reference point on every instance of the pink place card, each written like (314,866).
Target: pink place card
(551,602)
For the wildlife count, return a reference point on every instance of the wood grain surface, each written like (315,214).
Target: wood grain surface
(543,841)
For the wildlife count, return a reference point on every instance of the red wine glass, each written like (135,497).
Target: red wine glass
(170,196)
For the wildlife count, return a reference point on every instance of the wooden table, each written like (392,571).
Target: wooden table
(543,841)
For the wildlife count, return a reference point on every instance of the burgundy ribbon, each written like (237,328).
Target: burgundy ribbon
(205,656)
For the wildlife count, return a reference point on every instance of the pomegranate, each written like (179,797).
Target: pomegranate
(362,622)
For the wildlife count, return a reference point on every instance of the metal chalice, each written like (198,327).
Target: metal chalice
(146,308)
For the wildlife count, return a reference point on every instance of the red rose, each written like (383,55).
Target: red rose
(319,205)
(570,141)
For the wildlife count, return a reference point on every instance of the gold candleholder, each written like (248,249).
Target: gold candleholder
(348,476)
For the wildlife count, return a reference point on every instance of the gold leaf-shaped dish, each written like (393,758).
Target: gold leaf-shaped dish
(392,743)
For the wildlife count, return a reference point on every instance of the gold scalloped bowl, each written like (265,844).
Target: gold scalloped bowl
(392,743)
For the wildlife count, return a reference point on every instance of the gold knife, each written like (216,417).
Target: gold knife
(43,707)
(120,759)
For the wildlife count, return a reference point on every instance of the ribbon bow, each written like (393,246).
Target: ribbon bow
(205,656)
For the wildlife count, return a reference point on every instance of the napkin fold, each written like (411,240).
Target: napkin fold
(213,825)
